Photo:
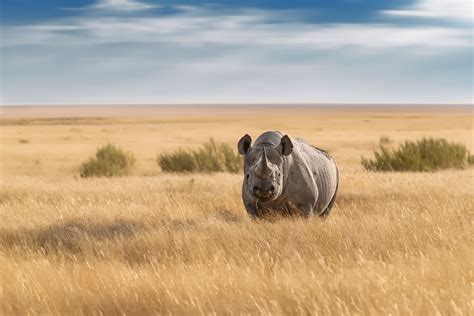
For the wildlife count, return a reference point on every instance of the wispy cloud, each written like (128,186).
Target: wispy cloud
(451,9)
(126,51)
(198,26)
(120,5)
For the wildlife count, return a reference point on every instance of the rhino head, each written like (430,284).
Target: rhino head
(264,167)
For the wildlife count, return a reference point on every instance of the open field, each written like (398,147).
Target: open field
(397,243)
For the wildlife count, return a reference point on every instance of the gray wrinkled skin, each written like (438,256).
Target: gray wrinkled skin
(286,176)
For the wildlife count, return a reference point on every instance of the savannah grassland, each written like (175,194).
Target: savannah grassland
(395,243)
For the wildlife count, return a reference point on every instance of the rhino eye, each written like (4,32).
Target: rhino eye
(248,176)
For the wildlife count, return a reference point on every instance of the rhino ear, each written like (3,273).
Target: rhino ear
(244,144)
(286,146)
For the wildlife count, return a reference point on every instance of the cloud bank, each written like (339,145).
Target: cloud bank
(124,51)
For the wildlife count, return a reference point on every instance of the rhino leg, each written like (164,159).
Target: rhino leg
(305,209)
(251,209)
(305,201)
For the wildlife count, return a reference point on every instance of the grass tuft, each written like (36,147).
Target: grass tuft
(109,161)
(385,140)
(211,157)
(427,154)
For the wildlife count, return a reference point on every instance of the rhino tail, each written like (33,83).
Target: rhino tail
(327,210)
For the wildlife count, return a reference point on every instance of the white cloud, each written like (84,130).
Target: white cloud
(121,5)
(450,9)
(197,27)
(168,74)
(197,55)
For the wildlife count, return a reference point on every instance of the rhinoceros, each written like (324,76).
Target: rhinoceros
(287,176)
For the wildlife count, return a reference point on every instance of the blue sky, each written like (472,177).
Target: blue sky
(229,51)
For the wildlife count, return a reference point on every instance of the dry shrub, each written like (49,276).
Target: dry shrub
(470,159)
(211,157)
(109,161)
(178,161)
(427,154)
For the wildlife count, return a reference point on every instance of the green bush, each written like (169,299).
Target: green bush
(211,157)
(178,161)
(109,161)
(427,154)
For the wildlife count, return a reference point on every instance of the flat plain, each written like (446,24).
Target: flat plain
(395,243)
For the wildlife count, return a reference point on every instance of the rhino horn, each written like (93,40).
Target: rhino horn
(264,169)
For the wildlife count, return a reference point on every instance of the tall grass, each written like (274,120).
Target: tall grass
(211,157)
(395,244)
(109,161)
(427,154)
(182,244)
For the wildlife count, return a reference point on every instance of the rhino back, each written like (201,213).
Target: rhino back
(272,138)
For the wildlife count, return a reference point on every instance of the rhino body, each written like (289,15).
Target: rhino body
(287,176)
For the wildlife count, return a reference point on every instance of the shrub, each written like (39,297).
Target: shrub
(23,141)
(109,161)
(470,159)
(178,161)
(211,157)
(427,154)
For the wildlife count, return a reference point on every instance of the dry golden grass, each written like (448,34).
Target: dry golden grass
(395,243)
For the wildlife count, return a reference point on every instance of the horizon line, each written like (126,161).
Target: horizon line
(463,104)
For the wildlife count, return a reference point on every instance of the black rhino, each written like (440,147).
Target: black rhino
(287,176)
